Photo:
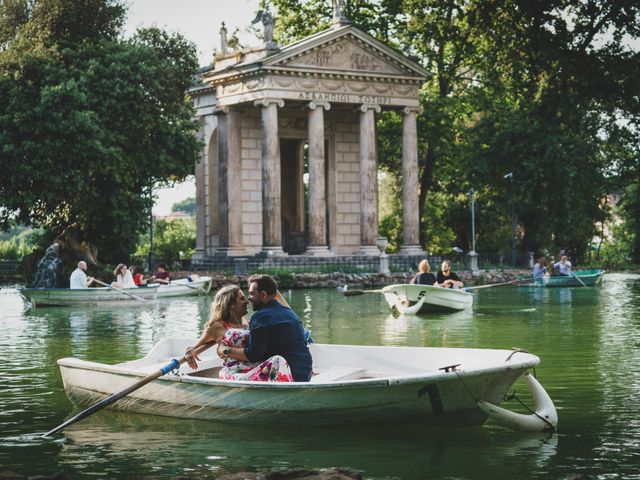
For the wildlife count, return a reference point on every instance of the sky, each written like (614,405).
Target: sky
(198,21)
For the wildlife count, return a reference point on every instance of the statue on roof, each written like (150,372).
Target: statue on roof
(339,12)
(268,22)
(224,41)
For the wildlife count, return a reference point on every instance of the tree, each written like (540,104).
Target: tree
(188,205)
(554,74)
(89,122)
(547,90)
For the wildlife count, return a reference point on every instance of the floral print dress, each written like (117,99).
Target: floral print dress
(273,369)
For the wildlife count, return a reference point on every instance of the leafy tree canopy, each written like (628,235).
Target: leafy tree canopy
(89,122)
(546,90)
(188,205)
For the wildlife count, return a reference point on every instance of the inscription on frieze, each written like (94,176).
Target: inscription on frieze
(345,98)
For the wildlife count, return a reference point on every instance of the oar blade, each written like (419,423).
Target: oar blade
(352,293)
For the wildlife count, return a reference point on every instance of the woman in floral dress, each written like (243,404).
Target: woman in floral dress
(225,325)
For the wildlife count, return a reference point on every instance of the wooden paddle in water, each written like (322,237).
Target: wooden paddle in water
(114,397)
(577,278)
(353,293)
(120,290)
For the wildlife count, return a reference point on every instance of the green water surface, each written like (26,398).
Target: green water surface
(588,340)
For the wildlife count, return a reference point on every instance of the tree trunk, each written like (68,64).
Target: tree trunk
(426,181)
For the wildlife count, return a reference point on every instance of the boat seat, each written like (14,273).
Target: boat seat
(335,374)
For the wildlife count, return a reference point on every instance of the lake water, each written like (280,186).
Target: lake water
(588,340)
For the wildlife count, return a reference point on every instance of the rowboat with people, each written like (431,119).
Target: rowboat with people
(578,278)
(411,298)
(194,285)
(351,385)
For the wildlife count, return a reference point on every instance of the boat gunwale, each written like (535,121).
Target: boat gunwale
(155,286)
(391,288)
(529,361)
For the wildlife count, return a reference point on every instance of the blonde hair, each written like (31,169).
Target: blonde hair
(424,266)
(222,310)
(116,272)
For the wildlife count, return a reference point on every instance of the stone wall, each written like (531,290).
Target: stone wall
(357,280)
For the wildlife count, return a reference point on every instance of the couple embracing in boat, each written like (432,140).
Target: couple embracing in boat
(273,347)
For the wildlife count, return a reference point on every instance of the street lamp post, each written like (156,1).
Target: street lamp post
(472,195)
(473,255)
(152,259)
(513,221)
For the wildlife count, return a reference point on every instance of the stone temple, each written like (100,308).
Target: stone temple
(279,122)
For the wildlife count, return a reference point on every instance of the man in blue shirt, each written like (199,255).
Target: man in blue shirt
(274,330)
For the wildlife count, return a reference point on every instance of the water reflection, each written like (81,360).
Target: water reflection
(587,340)
(137,440)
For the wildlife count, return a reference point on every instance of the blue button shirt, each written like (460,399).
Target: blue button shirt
(277,330)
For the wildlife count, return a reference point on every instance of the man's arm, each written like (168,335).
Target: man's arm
(256,349)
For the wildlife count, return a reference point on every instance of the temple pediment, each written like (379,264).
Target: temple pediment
(345,50)
(345,55)
(338,65)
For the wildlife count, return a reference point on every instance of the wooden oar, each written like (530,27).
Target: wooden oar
(119,290)
(578,278)
(114,397)
(353,293)
(512,282)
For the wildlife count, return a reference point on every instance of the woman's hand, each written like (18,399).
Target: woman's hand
(191,358)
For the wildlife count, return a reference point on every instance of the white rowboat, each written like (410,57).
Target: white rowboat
(409,299)
(351,385)
(65,296)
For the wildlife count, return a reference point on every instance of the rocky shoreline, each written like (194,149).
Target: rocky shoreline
(352,280)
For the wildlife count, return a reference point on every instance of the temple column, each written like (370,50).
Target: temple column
(271,188)
(200,205)
(368,181)
(230,200)
(317,181)
(410,193)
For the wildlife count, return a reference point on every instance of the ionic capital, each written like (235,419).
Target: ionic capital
(367,106)
(316,103)
(221,110)
(265,102)
(409,110)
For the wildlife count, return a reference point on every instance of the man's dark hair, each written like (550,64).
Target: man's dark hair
(162,265)
(266,283)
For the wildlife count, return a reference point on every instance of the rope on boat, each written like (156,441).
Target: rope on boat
(515,350)
(517,422)
(514,396)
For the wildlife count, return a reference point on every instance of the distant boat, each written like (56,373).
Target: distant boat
(411,298)
(50,297)
(351,385)
(589,278)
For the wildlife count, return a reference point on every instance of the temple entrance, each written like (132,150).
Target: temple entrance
(292,154)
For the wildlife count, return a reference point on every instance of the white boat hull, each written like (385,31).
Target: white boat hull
(391,384)
(407,298)
(64,296)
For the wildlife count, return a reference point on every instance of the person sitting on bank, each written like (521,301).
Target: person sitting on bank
(540,269)
(447,278)
(563,266)
(123,277)
(138,278)
(424,276)
(78,278)
(162,275)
